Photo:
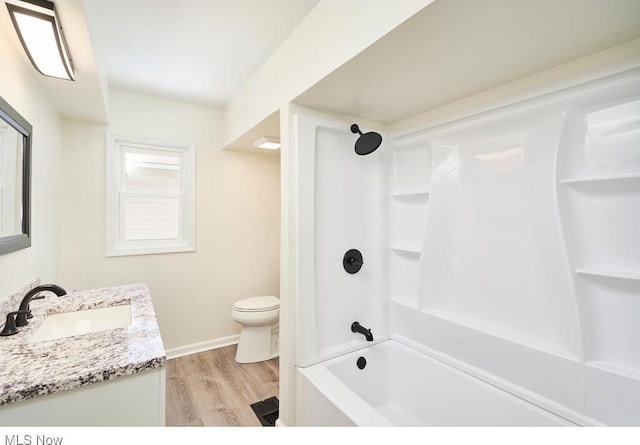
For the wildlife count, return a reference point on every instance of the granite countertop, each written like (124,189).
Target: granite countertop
(29,370)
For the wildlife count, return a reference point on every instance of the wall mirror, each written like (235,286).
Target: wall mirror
(15,180)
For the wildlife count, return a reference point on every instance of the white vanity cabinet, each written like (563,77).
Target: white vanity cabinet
(132,400)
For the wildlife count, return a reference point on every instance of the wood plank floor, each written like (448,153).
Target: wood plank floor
(211,389)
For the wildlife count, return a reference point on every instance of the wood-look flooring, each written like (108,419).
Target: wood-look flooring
(211,389)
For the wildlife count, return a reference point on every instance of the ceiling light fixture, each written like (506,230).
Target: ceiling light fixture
(41,36)
(267,143)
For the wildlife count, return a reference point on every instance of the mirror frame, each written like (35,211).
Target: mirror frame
(11,243)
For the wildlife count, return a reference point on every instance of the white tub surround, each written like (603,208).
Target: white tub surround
(506,246)
(31,370)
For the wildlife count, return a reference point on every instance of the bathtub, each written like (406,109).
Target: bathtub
(400,386)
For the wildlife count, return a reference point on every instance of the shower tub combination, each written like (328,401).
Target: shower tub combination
(400,386)
(493,258)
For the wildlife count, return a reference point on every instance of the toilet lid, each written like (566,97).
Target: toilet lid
(257,304)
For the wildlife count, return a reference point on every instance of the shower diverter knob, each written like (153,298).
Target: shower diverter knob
(352,261)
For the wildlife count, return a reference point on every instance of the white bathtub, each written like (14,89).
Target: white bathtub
(403,387)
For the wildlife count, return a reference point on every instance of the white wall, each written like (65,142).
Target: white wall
(238,220)
(19,88)
(332,33)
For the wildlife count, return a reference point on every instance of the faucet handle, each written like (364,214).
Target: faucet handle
(10,325)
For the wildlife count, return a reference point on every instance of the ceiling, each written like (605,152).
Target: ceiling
(197,51)
(453,49)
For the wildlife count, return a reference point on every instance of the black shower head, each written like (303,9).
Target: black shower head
(366,143)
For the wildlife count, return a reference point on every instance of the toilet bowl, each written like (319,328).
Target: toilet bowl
(258,337)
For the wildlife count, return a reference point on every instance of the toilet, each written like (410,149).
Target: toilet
(259,335)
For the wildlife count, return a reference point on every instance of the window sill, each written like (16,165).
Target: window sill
(125,251)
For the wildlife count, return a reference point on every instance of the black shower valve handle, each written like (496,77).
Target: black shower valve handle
(352,261)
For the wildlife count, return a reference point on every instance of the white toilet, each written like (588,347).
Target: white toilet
(259,335)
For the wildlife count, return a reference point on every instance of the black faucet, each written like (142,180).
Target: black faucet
(358,328)
(24,312)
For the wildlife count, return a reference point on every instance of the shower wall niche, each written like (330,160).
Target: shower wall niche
(409,188)
(599,195)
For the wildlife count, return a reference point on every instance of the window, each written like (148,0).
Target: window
(150,197)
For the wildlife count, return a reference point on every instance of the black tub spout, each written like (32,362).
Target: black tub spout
(359,329)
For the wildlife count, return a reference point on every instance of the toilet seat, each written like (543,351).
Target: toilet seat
(257,304)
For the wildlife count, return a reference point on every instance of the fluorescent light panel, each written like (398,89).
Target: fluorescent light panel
(40,34)
(267,143)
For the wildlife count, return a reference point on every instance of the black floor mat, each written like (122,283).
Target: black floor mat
(267,411)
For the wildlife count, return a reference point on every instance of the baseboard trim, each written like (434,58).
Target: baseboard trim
(208,345)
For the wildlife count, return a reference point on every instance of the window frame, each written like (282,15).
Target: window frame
(116,244)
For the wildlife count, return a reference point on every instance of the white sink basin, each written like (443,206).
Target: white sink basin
(68,324)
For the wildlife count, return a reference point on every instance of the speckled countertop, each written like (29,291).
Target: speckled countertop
(29,370)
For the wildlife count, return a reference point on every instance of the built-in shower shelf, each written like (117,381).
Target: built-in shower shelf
(602,179)
(622,274)
(615,368)
(415,194)
(406,248)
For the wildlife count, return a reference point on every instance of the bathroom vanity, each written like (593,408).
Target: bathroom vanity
(88,367)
